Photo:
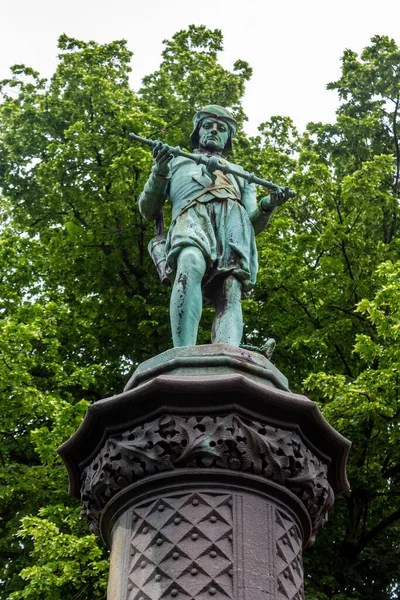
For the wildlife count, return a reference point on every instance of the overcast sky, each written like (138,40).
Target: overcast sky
(293,46)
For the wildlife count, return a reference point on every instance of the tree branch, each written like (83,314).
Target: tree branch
(315,321)
(78,215)
(397,147)
(347,311)
(346,258)
(343,359)
(386,522)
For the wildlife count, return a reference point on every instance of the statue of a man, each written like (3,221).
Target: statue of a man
(210,248)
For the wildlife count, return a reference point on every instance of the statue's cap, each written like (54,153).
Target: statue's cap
(218,112)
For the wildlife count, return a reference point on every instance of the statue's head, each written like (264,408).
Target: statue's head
(213,113)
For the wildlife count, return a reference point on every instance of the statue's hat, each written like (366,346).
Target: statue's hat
(217,112)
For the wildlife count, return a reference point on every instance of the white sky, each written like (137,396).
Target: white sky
(293,46)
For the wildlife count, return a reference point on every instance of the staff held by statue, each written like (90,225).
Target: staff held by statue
(213,164)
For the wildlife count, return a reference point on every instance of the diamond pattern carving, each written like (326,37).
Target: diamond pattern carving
(181,547)
(289,564)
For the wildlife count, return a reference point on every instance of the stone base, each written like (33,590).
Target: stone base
(212,359)
(207,541)
(207,477)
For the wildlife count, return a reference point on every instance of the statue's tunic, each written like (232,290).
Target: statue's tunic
(211,216)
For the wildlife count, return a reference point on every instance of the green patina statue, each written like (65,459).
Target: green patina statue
(210,250)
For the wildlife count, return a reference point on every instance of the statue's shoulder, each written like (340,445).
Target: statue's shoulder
(237,167)
(225,159)
(181,161)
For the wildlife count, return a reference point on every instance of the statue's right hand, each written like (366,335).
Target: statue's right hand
(162,157)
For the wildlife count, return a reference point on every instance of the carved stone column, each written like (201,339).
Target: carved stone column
(207,477)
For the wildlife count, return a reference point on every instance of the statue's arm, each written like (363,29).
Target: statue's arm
(151,200)
(259,217)
(260,213)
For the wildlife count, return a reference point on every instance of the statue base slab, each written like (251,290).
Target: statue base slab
(211,359)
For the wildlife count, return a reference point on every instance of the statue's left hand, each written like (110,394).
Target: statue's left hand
(276,198)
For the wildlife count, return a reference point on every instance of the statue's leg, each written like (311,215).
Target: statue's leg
(228,322)
(186,298)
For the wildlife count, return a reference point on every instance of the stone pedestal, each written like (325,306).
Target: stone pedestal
(207,477)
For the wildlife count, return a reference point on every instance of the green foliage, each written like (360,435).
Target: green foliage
(189,78)
(80,302)
(328,292)
(367,410)
(81,305)
(65,564)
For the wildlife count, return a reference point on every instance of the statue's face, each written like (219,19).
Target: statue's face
(213,134)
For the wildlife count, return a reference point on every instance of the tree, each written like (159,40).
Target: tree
(77,288)
(370,539)
(189,78)
(321,264)
(74,250)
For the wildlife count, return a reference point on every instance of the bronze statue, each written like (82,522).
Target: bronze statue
(210,249)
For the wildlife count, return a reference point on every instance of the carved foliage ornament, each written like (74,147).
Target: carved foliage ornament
(228,442)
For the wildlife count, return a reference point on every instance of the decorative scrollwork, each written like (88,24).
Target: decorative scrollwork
(228,442)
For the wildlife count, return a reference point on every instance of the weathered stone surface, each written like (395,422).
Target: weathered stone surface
(207,542)
(210,360)
(182,545)
(206,478)
(173,442)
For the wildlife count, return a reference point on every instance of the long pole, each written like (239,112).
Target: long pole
(213,164)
